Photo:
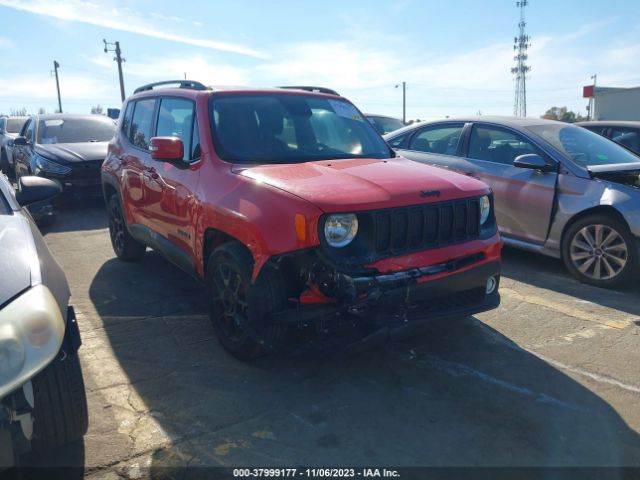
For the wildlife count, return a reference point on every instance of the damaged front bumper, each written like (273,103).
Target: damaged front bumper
(411,297)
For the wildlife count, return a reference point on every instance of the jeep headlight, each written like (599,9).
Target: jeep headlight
(31,333)
(340,229)
(485,209)
(42,164)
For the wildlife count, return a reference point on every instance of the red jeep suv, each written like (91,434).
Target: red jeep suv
(294,212)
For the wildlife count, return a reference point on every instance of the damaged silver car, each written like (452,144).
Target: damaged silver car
(559,189)
(42,397)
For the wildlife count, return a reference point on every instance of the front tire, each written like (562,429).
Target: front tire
(60,405)
(238,308)
(124,245)
(600,250)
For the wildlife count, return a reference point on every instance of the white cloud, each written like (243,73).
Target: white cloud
(196,67)
(118,19)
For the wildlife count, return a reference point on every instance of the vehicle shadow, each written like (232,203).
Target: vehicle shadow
(64,462)
(550,273)
(77,215)
(458,393)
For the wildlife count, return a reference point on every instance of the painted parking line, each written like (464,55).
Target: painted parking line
(565,309)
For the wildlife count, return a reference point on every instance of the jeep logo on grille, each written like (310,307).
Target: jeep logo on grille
(429,193)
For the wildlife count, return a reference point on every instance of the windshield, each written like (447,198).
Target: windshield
(583,146)
(14,125)
(285,128)
(385,124)
(76,130)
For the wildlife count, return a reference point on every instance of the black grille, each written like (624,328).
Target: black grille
(426,226)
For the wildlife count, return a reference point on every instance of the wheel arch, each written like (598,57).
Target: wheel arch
(597,210)
(212,239)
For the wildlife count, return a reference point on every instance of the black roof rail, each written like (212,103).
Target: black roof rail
(191,84)
(312,89)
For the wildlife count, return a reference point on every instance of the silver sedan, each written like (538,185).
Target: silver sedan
(559,190)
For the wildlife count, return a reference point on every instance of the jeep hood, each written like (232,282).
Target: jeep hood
(365,184)
(73,152)
(16,257)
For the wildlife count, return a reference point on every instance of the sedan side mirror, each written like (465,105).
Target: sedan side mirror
(34,189)
(166,149)
(532,161)
(20,142)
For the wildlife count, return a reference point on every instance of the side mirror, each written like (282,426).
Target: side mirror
(20,142)
(532,161)
(166,149)
(36,189)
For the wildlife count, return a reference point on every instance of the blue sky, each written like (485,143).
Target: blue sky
(455,56)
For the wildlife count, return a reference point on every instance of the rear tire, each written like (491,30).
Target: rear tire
(60,405)
(124,245)
(600,250)
(239,309)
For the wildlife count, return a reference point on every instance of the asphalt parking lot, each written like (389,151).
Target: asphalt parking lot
(550,378)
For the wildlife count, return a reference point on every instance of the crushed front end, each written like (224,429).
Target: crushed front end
(403,266)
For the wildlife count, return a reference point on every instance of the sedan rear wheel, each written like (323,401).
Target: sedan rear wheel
(599,250)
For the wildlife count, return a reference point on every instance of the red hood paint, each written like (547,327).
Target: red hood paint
(365,184)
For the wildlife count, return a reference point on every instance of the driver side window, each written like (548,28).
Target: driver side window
(29,131)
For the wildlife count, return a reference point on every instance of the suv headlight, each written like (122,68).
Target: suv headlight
(485,209)
(339,229)
(44,165)
(31,333)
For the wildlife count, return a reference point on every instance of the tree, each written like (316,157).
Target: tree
(21,112)
(41,111)
(97,109)
(563,115)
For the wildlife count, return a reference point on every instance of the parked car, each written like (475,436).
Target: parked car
(624,133)
(384,124)
(292,210)
(560,190)
(9,129)
(66,148)
(42,398)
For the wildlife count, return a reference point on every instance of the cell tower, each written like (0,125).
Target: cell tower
(521,43)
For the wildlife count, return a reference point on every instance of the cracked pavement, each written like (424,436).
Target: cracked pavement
(550,378)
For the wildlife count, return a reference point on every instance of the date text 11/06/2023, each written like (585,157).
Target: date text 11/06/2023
(315,473)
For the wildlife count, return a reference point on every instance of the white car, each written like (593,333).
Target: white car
(10,128)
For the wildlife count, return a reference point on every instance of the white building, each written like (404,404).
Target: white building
(614,103)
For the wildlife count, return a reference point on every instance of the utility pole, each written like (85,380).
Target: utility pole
(118,58)
(521,43)
(592,100)
(56,66)
(404,101)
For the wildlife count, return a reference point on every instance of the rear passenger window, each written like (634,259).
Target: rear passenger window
(498,145)
(398,141)
(175,119)
(441,139)
(141,123)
